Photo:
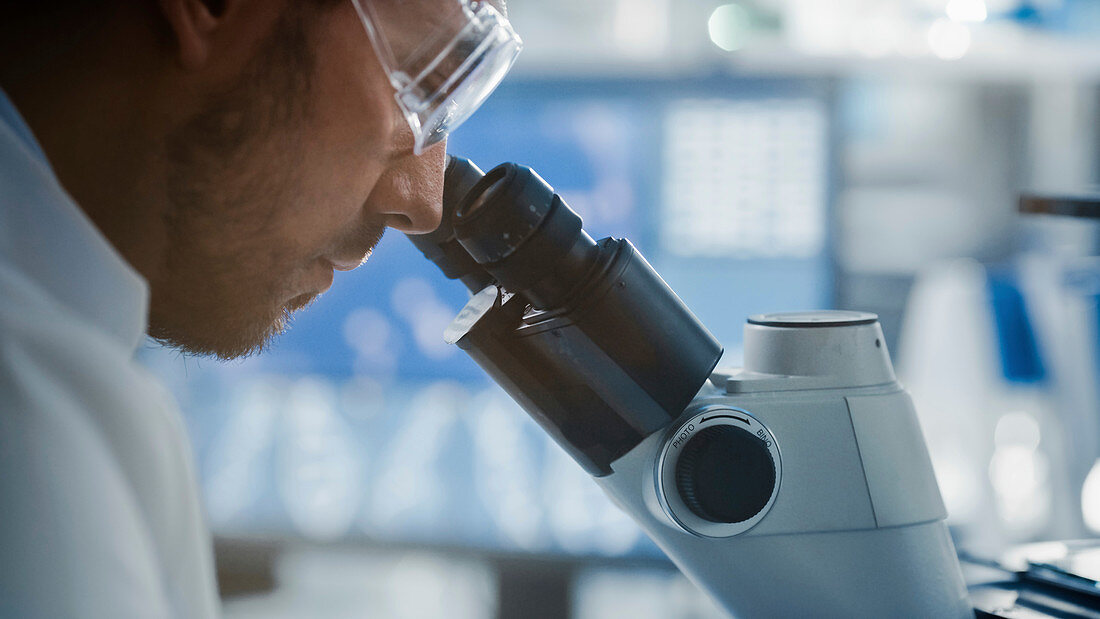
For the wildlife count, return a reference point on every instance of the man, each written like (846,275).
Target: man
(194,170)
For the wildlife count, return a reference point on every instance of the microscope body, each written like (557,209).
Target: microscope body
(799,485)
(851,525)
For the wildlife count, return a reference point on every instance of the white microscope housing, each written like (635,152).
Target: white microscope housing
(800,485)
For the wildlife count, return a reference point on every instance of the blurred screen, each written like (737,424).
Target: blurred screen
(361,422)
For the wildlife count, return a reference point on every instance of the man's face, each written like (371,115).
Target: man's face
(289,173)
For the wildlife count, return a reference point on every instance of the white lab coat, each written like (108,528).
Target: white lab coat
(99,509)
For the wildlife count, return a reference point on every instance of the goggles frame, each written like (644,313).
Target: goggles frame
(447,74)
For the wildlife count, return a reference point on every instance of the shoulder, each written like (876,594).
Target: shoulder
(99,499)
(74,542)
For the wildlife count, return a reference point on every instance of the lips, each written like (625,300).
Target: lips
(347,263)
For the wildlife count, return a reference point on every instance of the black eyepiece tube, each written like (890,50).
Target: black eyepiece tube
(525,236)
(591,341)
(440,246)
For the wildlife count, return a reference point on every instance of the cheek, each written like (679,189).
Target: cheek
(337,167)
(353,112)
(335,179)
(343,140)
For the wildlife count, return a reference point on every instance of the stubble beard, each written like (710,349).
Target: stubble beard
(231,170)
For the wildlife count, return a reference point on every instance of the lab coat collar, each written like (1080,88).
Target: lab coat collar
(50,240)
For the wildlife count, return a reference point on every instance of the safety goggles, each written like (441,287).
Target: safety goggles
(443,57)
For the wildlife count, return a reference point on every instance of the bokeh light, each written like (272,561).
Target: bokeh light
(948,40)
(729,26)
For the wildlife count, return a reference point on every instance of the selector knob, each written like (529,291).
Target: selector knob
(725,474)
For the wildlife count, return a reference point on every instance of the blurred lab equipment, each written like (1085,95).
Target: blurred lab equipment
(1002,361)
(847,521)
(1041,580)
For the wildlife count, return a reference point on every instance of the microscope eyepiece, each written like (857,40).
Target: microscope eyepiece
(522,233)
(502,211)
(613,354)
(483,193)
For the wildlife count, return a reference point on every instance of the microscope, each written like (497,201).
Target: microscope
(796,486)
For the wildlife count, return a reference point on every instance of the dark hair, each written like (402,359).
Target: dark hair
(15,14)
(33,31)
(30,30)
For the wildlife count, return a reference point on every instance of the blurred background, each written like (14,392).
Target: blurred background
(764,155)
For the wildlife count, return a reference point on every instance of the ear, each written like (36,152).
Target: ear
(191,24)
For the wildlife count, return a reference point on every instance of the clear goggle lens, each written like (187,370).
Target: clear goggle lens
(443,57)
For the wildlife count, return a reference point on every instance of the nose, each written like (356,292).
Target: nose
(409,194)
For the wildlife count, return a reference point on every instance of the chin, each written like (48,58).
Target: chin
(225,326)
(299,302)
(247,334)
